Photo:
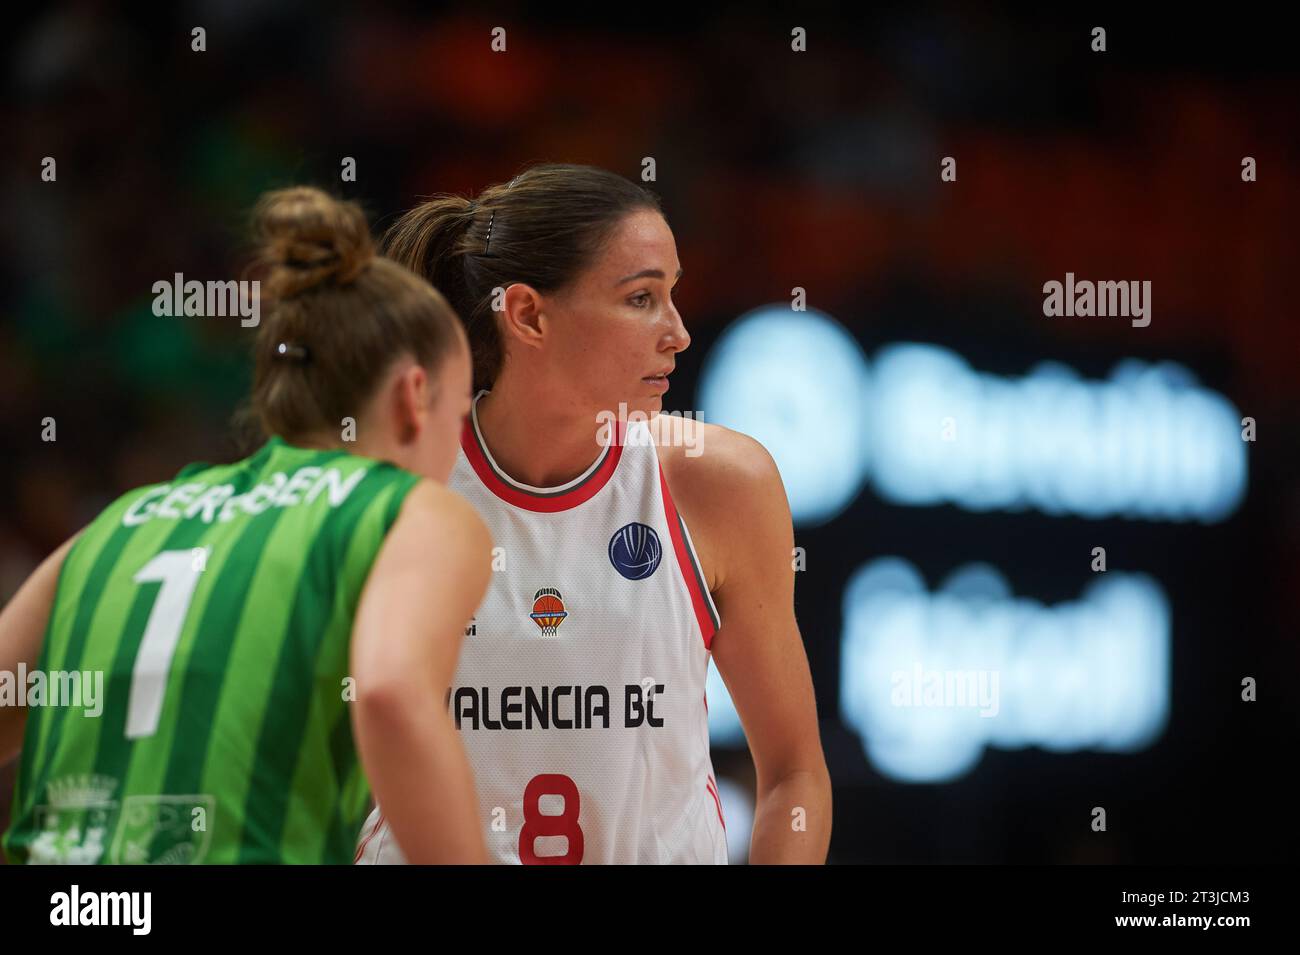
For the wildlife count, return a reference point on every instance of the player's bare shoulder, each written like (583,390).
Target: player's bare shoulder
(721,481)
(436,509)
(713,460)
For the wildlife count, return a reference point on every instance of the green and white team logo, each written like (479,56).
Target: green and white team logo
(75,820)
(173,828)
(81,812)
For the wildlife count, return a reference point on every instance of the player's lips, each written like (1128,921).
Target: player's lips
(659,380)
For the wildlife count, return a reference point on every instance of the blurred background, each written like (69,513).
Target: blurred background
(953,457)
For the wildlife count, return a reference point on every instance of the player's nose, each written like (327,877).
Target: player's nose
(678,338)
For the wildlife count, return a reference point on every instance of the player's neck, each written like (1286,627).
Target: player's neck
(313,441)
(368,444)
(535,440)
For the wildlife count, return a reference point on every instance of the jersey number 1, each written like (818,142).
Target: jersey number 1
(178,571)
(538,823)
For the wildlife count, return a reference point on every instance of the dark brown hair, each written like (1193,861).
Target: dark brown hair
(335,316)
(543,228)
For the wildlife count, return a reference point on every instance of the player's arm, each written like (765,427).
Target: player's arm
(22,634)
(426,583)
(759,651)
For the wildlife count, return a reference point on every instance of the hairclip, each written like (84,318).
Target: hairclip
(488,240)
(289,351)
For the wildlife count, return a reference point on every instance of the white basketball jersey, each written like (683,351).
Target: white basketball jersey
(580,690)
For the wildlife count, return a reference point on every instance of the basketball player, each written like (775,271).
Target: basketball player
(627,555)
(247,620)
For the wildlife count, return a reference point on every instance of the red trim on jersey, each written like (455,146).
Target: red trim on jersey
(712,787)
(686,561)
(539,502)
(366,841)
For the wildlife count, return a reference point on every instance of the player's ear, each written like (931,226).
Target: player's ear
(521,314)
(412,397)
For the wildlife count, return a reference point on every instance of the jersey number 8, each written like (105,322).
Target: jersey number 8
(538,823)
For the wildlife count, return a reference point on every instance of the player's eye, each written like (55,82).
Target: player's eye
(640,301)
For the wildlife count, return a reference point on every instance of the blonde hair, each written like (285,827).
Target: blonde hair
(335,314)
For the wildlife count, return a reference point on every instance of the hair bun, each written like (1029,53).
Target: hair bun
(308,238)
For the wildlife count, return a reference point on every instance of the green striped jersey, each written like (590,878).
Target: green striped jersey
(195,669)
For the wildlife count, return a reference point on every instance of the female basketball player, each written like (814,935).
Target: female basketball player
(580,692)
(245,621)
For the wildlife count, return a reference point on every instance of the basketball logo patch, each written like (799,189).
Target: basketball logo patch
(548,610)
(634,551)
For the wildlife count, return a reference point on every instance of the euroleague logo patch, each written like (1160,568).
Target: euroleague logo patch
(634,551)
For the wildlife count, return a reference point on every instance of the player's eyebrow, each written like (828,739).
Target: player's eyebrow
(646,274)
